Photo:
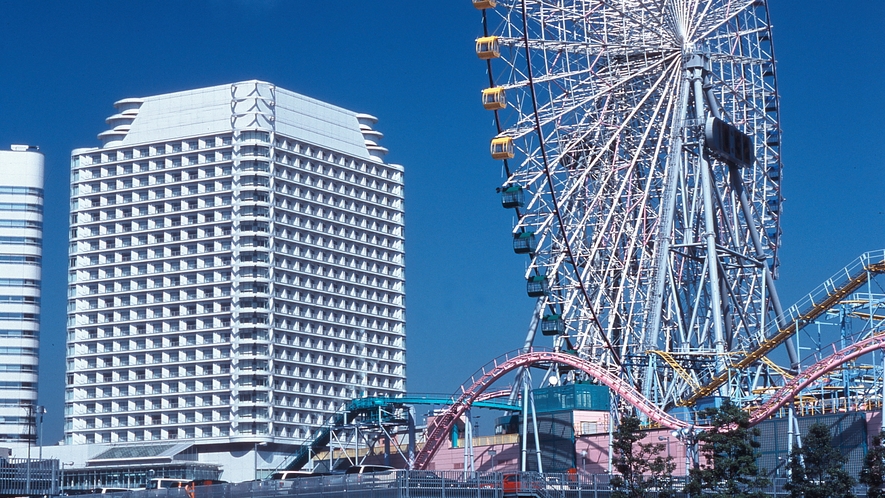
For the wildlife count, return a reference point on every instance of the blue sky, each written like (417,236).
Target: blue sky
(63,64)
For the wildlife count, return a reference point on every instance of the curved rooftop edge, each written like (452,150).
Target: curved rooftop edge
(249,104)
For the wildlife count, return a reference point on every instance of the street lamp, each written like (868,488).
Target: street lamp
(584,461)
(62,476)
(255,451)
(667,439)
(41,410)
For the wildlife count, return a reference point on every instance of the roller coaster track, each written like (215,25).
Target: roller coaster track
(795,386)
(828,294)
(362,405)
(438,432)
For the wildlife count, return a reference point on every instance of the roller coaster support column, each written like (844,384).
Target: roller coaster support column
(468,444)
(528,409)
(411,430)
(525,421)
(689,438)
(612,413)
(790,435)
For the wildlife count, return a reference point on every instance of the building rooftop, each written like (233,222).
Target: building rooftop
(215,109)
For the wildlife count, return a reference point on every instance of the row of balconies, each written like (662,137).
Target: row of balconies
(213,293)
(190,206)
(301,268)
(383,225)
(84,202)
(294,279)
(393,325)
(121,269)
(95,245)
(329,160)
(88,349)
(82,380)
(175,181)
(288,169)
(124,270)
(339,315)
(285,338)
(173,367)
(197,308)
(156,341)
(85,175)
(290,306)
(340,274)
(140,220)
(153,403)
(329,248)
(119,155)
(166,326)
(140,285)
(358,195)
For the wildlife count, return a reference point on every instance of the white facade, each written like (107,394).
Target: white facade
(237,269)
(21,237)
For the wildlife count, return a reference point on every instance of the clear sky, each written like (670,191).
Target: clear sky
(412,64)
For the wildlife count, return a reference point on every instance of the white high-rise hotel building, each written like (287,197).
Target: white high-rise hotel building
(236,272)
(21,236)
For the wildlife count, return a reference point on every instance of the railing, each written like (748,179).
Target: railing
(440,484)
(805,311)
(28,477)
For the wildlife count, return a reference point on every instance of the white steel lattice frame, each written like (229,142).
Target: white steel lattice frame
(606,104)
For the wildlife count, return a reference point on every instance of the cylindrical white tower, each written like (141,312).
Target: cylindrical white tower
(21,237)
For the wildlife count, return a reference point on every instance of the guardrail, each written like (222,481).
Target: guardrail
(28,477)
(429,484)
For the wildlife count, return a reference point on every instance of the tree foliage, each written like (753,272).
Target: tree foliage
(730,451)
(817,469)
(640,466)
(873,473)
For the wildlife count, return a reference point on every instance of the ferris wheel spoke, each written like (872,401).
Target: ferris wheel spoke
(552,112)
(716,14)
(637,222)
(665,78)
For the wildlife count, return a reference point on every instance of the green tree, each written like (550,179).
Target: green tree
(873,473)
(817,469)
(730,451)
(640,466)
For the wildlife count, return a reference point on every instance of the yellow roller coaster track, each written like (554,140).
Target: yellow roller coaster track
(833,297)
(677,367)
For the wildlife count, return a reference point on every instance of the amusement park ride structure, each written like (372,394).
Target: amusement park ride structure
(640,143)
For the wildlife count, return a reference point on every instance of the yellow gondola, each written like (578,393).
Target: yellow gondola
(494,99)
(502,148)
(487,47)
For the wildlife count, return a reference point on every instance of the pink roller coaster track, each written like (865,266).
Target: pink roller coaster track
(438,432)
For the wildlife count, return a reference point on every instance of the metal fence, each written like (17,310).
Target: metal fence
(28,477)
(427,484)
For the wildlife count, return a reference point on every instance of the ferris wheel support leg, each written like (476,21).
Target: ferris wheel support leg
(663,252)
(709,225)
(738,186)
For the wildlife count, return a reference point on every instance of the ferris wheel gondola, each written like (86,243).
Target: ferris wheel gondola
(641,149)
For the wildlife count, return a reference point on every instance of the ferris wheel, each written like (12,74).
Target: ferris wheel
(641,148)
